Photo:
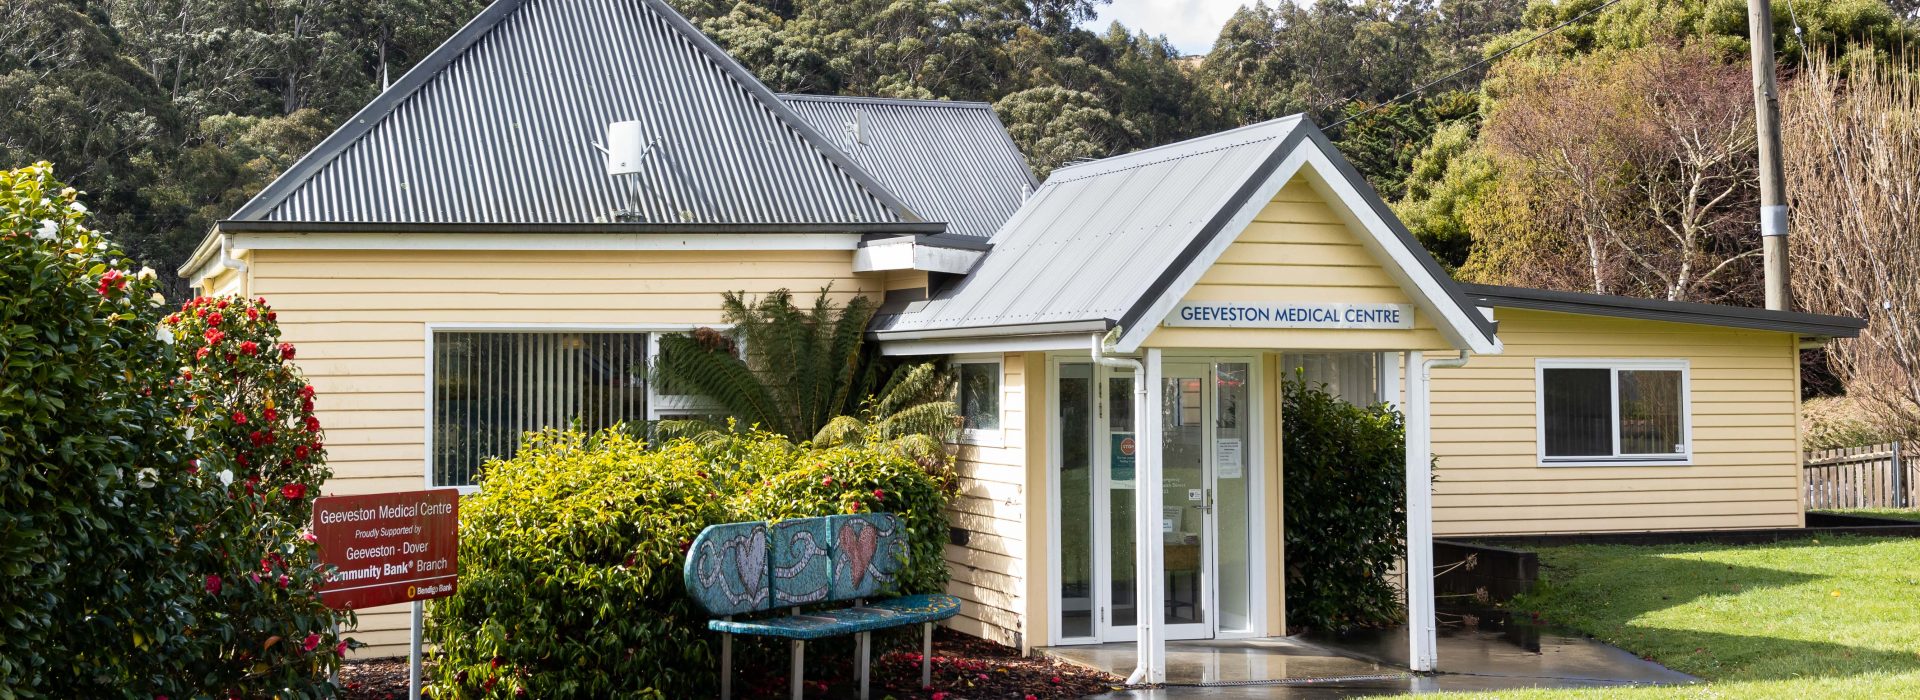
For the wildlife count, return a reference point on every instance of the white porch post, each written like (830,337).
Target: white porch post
(1149,560)
(1422,636)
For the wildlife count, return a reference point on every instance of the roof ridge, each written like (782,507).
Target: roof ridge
(904,101)
(1218,135)
(435,64)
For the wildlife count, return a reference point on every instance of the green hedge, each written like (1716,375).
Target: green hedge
(1346,509)
(571,553)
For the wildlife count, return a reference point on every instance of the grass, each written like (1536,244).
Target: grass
(1799,620)
(1896,513)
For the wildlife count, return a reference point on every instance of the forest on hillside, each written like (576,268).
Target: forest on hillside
(1588,145)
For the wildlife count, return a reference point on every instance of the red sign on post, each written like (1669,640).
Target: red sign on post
(388,547)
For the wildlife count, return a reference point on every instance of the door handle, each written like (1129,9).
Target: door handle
(1206,506)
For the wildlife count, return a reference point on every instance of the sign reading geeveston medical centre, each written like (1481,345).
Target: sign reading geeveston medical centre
(1269,314)
(388,547)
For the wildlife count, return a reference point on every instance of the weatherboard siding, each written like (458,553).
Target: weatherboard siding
(1745,471)
(994,483)
(1297,249)
(359,319)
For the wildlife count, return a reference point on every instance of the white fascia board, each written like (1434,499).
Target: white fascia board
(1131,338)
(905,253)
(1402,263)
(545,241)
(962,346)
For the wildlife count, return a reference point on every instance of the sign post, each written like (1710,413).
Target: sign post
(390,548)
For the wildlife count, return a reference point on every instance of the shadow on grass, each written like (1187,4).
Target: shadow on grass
(1724,621)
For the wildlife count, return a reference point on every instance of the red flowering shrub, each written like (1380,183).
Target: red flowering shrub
(250,416)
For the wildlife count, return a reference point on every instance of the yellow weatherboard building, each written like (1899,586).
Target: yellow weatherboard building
(464,255)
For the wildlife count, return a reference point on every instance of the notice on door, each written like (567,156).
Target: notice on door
(1121,455)
(1229,458)
(388,547)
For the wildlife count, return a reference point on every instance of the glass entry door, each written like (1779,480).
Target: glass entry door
(1205,527)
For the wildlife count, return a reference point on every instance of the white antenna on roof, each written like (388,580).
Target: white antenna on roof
(627,147)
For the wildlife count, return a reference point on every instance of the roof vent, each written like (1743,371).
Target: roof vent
(626,148)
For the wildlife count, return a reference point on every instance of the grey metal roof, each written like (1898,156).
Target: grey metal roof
(1100,241)
(1092,241)
(950,161)
(1820,325)
(498,124)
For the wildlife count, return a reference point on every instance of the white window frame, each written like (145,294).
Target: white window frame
(657,404)
(995,437)
(1684,367)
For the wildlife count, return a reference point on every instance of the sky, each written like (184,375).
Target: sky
(1191,25)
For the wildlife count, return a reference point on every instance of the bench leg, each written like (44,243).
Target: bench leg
(926,655)
(799,666)
(726,666)
(864,640)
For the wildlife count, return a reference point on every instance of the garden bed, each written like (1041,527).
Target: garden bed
(964,667)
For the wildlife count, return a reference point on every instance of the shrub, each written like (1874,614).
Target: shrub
(571,554)
(250,414)
(1345,509)
(96,502)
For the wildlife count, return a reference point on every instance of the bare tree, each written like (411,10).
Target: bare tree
(1640,163)
(1852,148)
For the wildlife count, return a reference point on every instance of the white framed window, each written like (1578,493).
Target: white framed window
(489,384)
(1595,412)
(977,393)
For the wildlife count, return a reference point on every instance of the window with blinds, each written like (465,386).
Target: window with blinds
(1352,376)
(489,387)
(1613,411)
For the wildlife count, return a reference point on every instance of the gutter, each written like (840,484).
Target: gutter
(214,251)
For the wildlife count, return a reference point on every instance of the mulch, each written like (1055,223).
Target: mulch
(964,668)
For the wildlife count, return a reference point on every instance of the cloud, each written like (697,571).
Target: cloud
(1191,25)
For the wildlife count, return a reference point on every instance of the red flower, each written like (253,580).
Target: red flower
(222,304)
(252,481)
(112,281)
(214,319)
(306,392)
(299,451)
(293,492)
(239,418)
(340,649)
(1030,696)
(879,495)
(271,415)
(496,662)
(312,640)
(283,584)
(249,347)
(200,354)
(309,537)
(214,336)
(826,481)
(213,584)
(253,314)
(306,405)
(286,351)
(313,424)
(271,315)
(171,320)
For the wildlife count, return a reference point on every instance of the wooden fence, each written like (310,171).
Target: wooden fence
(1872,476)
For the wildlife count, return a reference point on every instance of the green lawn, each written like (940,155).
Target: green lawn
(1898,513)
(1801,620)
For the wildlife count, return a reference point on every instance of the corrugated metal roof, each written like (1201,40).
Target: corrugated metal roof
(498,126)
(1095,239)
(1821,325)
(1103,243)
(950,161)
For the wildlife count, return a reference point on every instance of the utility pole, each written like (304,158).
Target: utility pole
(1766,117)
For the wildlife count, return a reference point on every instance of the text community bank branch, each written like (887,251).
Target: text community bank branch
(460,263)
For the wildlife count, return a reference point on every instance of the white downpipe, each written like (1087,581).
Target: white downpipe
(1422,632)
(1144,669)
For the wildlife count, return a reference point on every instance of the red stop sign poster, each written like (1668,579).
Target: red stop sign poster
(388,547)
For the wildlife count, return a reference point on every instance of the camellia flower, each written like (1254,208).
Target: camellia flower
(214,336)
(253,314)
(309,537)
(214,319)
(248,347)
(213,584)
(312,640)
(271,415)
(239,418)
(340,649)
(879,495)
(112,281)
(293,491)
(286,351)
(299,451)
(306,392)
(313,424)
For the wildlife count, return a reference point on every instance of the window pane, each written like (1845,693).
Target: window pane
(1578,412)
(1349,375)
(980,395)
(1076,499)
(489,388)
(1650,412)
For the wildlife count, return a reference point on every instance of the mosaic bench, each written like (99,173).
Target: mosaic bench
(750,569)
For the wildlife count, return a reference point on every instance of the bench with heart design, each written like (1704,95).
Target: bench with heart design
(752,569)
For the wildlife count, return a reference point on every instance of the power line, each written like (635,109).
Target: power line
(1477,64)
